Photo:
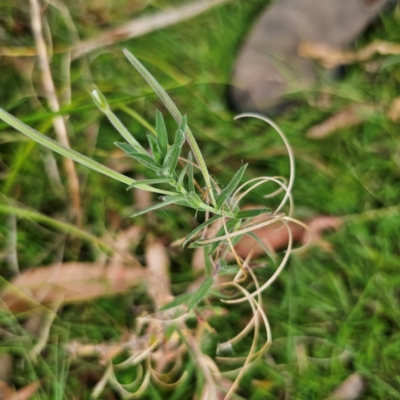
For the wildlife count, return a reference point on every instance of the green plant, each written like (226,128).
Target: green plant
(177,181)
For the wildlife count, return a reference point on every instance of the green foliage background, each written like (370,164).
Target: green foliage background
(347,298)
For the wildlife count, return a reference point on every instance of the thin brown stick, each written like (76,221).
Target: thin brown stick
(50,92)
(331,57)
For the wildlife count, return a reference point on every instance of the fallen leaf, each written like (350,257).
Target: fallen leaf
(157,266)
(350,388)
(346,118)
(22,394)
(331,57)
(5,391)
(6,365)
(68,282)
(394,110)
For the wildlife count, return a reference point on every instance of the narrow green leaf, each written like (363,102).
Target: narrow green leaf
(227,191)
(181,177)
(194,200)
(262,245)
(209,267)
(200,228)
(201,292)
(190,170)
(171,159)
(230,226)
(162,135)
(127,148)
(252,213)
(144,159)
(168,200)
(66,152)
(149,182)
(99,99)
(225,269)
(177,301)
(101,102)
(162,94)
(157,156)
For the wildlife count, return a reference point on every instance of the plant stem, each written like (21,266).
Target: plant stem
(72,154)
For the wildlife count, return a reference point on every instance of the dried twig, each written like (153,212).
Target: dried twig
(50,92)
(143,25)
(346,118)
(333,57)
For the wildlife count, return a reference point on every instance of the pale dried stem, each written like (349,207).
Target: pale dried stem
(276,273)
(144,25)
(255,310)
(288,148)
(50,92)
(44,331)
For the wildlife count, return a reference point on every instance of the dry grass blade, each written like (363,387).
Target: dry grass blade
(331,57)
(50,91)
(346,118)
(350,388)
(144,25)
(394,110)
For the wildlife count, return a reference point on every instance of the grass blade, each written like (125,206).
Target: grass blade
(200,228)
(171,160)
(102,104)
(191,175)
(144,159)
(162,94)
(72,154)
(166,202)
(232,185)
(177,301)
(201,292)
(252,213)
(162,135)
(179,184)
(157,156)
(150,182)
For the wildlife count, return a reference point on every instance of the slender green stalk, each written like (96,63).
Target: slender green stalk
(162,94)
(102,103)
(72,154)
(60,225)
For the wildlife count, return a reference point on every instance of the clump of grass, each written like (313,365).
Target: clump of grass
(186,181)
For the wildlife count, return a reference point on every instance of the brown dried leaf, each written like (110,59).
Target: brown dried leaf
(276,237)
(5,391)
(331,57)
(394,110)
(68,282)
(350,388)
(22,394)
(348,117)
(157,261)
(6,364)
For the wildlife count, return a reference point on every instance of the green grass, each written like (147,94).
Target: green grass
(326,302)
